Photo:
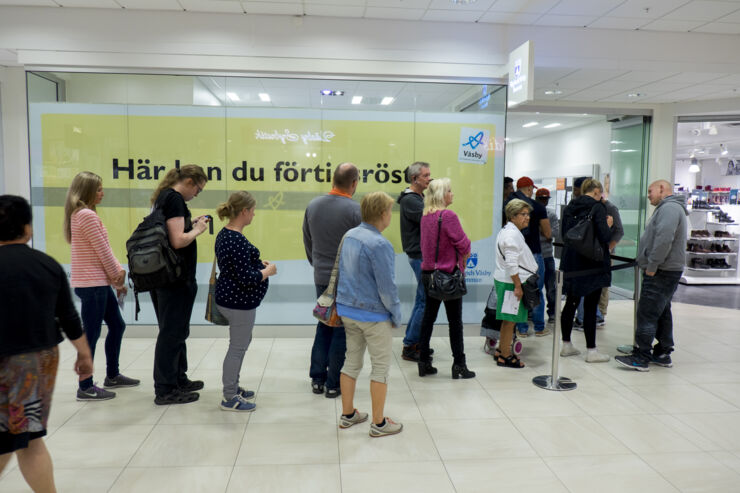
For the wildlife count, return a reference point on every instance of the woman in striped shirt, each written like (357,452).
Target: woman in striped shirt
(94,270)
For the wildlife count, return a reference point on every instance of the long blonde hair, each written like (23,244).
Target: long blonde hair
(434,198)
(81,195)
(176,175)
(235,204)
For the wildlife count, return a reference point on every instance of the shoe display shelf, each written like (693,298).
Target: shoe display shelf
(711,251)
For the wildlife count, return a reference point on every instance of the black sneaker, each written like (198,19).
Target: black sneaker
(333,393)
(176,396)
(120,381)
(661,358)
(190,385)
(633,362)
(317,387)
(410,353)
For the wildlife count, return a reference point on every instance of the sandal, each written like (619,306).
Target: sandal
(511,361)
(176,396)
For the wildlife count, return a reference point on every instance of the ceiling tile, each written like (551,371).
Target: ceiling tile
(524,6)
(579,7)
(733,17)
(355,3)
(659,88)
(614,86)
(730,80)
(546,75)
(273,8)
(95,4)
(227,6)
(584,78)
(636,8)
(150,4)
(334,10)
(479,5)
(693,77)
(401,4)
(718,28)
(565,20)
(702,10)
(674,26)
(390,13)
(508,18)
(644,76)
(452,15)
(608,22)
(30,3)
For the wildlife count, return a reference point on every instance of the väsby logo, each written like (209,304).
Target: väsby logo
(472,261)
(473,146)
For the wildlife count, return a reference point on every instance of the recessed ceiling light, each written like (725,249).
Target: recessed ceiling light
(463,2)
(616,142)
(387,100)
(530,124)
(356,99)
(723,149)
(551,92)
(233,96)
(635,95)
(326,92)
(331,92)
(264,97)
(630,150)
(552,125)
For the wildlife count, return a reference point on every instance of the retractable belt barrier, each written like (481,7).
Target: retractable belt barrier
(554,381)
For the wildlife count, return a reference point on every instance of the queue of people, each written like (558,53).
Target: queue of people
(336,230)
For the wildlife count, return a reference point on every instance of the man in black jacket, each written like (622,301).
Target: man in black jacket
(411,201)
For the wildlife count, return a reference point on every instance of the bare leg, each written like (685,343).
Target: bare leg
(507,335)
(347,385)
(377,395)
(4,459)
(35,465)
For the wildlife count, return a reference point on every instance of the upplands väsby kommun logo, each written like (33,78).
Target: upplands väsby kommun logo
(472,261)
(473,147)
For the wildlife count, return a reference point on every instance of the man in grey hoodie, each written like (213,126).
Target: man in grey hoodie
(661,255)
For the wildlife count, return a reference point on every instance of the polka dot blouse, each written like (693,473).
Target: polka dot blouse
(239,285)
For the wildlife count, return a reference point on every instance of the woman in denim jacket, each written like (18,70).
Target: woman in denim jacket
(367,301)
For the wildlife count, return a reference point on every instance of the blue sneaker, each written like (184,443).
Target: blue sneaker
(633,362)
(246,394)
(238,404)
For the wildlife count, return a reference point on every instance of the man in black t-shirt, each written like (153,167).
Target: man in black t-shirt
(538,223)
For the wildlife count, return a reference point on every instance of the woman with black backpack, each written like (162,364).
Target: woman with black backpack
(173,303)
(597,273)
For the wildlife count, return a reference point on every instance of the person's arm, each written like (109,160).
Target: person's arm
(176,231)
(458,238)
(412,209)
(617,228)
(383,260)
(307,243)
(92,229)
(665,230)
(83,363)
(240,265)
(69,321)
(545,229)
(518,291)
(554,226)
(603,229)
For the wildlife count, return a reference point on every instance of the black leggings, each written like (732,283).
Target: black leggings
(454,318)
(590,303)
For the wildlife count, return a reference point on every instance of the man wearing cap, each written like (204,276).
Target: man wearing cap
(538,222)
(543,197)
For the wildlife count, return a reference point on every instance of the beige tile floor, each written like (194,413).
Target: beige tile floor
(668,430)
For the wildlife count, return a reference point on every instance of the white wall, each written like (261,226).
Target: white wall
(569,152)
(16,179)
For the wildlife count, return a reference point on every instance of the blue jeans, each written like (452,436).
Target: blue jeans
(550,287)
(538,314)
(654,318)
(579,313)
(413,328)
(327,353)
(99,304)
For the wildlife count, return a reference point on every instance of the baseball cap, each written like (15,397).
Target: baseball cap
(542,192)
(524,181)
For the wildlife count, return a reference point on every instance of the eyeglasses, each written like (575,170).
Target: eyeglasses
(523,214)
(200,189)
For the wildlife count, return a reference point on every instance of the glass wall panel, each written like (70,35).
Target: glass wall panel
(277,138)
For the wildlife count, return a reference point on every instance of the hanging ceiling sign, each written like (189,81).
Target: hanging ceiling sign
(521,74)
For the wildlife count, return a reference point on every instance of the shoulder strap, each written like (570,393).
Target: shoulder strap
(213,271)
(439,232)
(332,287)
(520,265)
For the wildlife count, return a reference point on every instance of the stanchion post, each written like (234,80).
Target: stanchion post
(554,381)
(627,348)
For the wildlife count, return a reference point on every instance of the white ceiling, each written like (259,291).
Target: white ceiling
(515,121)
(703,139)
(706,16)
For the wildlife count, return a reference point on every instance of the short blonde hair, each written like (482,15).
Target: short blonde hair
(434,199)
(237,202)
(590,185)
(514,207)
(373,206)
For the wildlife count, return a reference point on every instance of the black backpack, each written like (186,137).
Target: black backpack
(152,262)
(582,238)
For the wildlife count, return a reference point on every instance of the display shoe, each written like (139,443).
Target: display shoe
(461,371)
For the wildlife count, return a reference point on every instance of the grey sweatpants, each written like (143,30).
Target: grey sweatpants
(241,323)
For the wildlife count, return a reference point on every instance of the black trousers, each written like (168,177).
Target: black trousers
(173,306)
(453,308)
(590,304)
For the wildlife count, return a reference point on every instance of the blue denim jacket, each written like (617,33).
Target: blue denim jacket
(366,273)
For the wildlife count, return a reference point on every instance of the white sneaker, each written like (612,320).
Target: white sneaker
(390,428)
(357,417)
(569,349)
(597,357)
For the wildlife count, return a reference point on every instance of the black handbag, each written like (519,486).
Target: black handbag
(443,285)
(582,238)
(530,289)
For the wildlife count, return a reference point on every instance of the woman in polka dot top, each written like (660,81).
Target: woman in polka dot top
(240,287)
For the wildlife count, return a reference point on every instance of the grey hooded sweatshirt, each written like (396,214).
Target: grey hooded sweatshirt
(663,244)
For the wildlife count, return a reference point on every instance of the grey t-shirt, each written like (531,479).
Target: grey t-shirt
(326,220)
